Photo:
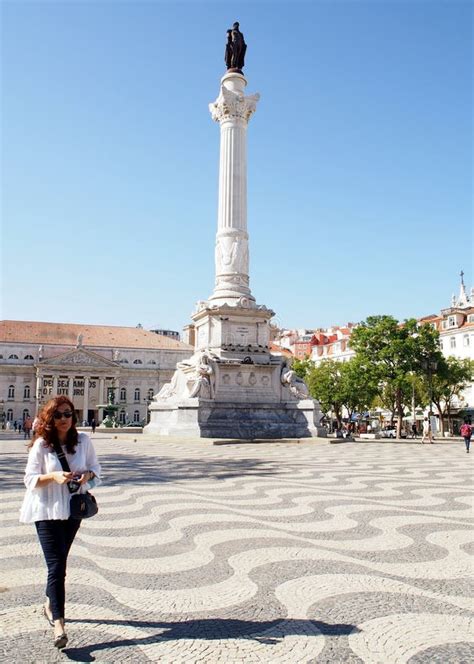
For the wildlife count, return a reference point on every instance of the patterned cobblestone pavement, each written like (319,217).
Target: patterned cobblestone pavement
(276,552)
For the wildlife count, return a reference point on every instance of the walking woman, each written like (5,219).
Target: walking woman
(48,492)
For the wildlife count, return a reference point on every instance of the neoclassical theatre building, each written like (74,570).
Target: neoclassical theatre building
(39,360)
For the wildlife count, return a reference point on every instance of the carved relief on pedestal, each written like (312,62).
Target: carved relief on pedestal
(232,254)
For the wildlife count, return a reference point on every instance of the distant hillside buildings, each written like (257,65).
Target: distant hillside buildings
(454,323)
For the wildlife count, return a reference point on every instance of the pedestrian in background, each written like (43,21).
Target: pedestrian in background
(48,494)
(27,425)
(466,433)
(427,433)
(413,430)
(93,425)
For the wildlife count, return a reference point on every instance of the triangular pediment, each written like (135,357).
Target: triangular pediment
(80,357)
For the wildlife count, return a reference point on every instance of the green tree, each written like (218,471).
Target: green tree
(394,351)
(451,378)
(302,368)
(325,384)
(358,385)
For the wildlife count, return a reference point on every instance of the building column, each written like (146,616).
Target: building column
(86,398)
(39,379)
(55,386)
(70,388)
(101,398)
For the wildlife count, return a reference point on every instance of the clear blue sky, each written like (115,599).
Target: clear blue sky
(360,158)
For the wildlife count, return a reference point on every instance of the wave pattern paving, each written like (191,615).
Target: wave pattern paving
(278,552)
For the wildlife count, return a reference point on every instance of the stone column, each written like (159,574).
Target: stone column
(39,378)
(101,390)
(55,385)
(232,109)
(86,398)
(101,398)
(70,388)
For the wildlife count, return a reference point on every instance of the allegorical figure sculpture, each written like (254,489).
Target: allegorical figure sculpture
(203,386)
(235,49)
(297,386)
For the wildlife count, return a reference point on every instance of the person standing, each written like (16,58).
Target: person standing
(27,424)
(413,430)
(93,425)
(466,433)
(427,433)
(48,492)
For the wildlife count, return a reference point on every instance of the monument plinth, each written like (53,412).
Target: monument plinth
(233,386)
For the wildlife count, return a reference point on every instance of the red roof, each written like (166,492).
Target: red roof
(66,334)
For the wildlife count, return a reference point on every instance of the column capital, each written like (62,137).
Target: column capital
(232,104)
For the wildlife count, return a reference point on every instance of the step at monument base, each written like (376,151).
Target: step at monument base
(246,421)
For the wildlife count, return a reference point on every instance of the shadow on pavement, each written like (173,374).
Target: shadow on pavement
(118,468)
(209,630)
(126,468)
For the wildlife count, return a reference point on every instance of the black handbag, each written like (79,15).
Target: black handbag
(83,505)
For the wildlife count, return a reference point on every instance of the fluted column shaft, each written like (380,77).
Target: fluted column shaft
(232,110)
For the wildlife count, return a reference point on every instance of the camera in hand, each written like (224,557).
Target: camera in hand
(73,485)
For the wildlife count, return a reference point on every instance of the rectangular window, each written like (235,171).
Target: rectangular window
(452,321)
(453,342)
(444,324)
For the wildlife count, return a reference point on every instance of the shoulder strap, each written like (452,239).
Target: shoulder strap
(62,458)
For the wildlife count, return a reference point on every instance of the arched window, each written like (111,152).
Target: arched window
(137,362)
(123,394)
(26,392)
(136,416)
(29,357)
(122,417)
(11,391)
(152,362)
(13,357)
(124,361)
(136,395)
(150,394)
(26,413)
(9,415)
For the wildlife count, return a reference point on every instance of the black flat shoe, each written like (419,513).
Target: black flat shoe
(45,613)
(60,641)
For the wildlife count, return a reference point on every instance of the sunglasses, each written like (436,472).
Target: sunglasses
(59,416)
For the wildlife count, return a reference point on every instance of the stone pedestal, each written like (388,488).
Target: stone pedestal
(233,387)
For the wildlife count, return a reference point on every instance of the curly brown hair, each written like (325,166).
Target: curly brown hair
(47,429)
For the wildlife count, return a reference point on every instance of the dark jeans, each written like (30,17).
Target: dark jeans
(467,442)
(56,537)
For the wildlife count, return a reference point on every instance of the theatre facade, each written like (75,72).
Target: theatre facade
(40,360)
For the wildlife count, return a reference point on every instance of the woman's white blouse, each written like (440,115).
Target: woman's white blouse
(51,501)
